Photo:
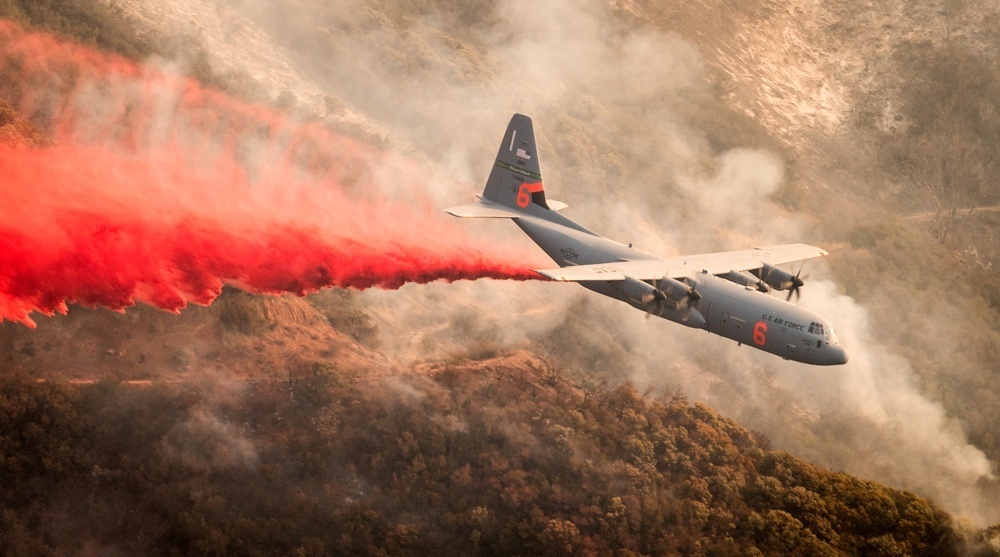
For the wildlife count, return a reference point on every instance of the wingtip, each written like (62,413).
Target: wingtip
(547,273)
(546,277)
(554,274)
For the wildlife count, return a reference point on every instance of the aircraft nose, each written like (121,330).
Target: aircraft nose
(838,356)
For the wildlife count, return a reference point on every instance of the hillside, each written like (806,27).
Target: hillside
(240,336)
(496,457)
(688,127)
(696,127)
(220,431)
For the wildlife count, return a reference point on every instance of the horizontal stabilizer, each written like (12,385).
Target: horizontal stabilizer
(556,205)
(484,209)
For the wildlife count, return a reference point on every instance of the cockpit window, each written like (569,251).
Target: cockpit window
(831,336)
(816,329)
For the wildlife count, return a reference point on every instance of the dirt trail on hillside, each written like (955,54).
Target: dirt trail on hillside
(961,212)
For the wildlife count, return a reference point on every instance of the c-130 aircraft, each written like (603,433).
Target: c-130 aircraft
(707,291)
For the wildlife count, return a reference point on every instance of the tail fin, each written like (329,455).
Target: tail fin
(514,187)
(516,178)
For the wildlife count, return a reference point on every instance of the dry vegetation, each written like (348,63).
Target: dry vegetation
(106,25)
(920,134)
(92,23)
(16,130)
(943,148)
(491,459)
(472,460)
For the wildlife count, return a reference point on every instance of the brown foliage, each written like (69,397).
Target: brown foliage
(15,130)
(463,462)
(94,23)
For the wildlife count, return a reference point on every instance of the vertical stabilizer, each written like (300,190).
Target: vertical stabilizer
(514,189)
(516,178)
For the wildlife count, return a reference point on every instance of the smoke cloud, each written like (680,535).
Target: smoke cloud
(623,114)
(156,189)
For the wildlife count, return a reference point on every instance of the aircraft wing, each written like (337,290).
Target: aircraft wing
(678,267)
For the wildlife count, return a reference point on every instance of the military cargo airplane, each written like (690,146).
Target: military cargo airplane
(708,291)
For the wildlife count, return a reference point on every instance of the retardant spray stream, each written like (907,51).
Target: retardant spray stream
(157,189)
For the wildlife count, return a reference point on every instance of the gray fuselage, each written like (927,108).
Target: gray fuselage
(740,313)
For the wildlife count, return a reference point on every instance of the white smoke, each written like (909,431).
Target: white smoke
(868,417)
(618,112)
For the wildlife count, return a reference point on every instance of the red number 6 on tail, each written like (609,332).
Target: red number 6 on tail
(523,196)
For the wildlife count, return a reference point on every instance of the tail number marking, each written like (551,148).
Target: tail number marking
(759,330)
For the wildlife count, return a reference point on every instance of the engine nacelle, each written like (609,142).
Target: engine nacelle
(776,278)
(689,317)
(674,300)
(743,280)
(637,291)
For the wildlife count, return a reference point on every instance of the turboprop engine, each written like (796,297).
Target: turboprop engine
(638,291)
(743,280)
(671,299)
(779,279)
(678,292)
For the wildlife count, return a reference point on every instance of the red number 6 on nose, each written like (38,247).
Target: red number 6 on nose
(758,333)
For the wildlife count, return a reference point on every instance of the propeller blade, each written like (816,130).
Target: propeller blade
(690,300)
(655,308)
(796,284)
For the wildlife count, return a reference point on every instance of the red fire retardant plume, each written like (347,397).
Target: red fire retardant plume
(159,190)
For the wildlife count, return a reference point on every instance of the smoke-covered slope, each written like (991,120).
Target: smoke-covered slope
(684,128)
(693,127)
(498,457)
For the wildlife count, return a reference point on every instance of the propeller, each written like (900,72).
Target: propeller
(794,288)
(656,303)
(693,296)
(771,276)
(762,274)
(655,308)
(663,302)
